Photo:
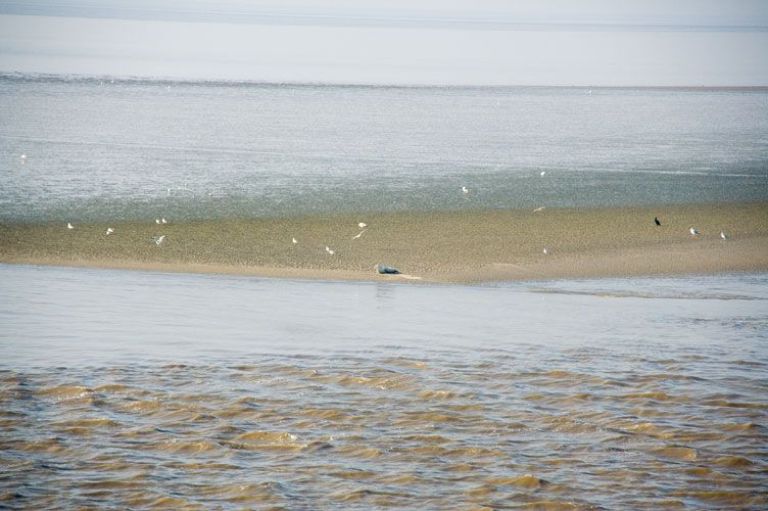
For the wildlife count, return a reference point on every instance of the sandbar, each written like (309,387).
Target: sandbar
(452,246)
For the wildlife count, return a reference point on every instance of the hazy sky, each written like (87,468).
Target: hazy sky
(495,42)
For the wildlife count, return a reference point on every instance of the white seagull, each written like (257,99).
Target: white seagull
(70,226)
(158,239)
(23,158)
(328,249)
(543,173)
(542,208)
(359,234)
(693,231)
(163,221)
(109,231)
(157,221)
(545,251)
(723,235)
(293,240)
(464,189)
(362,225)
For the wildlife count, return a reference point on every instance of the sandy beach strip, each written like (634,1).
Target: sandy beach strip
(465,246)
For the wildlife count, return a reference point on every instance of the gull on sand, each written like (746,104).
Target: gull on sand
(158,239)
(541,208)
(70,226)
(723,235)
(328,249)
(109,231)
(545,251)
(359,234)
(694,231)
(293,240)
(362,225)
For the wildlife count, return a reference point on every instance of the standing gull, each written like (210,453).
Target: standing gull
(362,225)
(328,249)
(723,235)
(293,240)
(70,226)
(109,231)
(464,189)
(693,231)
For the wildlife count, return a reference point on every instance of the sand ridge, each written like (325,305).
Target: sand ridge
(459,246)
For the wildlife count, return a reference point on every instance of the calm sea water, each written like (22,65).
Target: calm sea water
(99,149)
(132,390)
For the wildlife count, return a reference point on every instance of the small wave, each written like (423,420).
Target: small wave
(267,441)
(734,462)
(678,295)
(529,481)
(680,453)
(187,446)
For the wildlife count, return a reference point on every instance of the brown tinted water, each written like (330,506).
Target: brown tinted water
(646,394)
(521,429)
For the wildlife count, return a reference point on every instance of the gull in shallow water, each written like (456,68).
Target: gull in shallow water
(693,231)
(328,249)
(158,239)
(543,173)
(109,231)
(464,189)
(70,226)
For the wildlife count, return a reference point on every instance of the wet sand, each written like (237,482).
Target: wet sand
(444,247)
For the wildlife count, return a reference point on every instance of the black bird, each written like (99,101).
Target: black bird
(657,221)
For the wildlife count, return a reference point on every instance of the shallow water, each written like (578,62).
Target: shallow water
(130,389)
(98,149)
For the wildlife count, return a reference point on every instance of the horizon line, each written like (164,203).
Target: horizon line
(84,77)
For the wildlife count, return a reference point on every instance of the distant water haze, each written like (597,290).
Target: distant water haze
(427,43)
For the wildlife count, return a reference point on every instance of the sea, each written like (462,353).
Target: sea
(109,149)
(151,390)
